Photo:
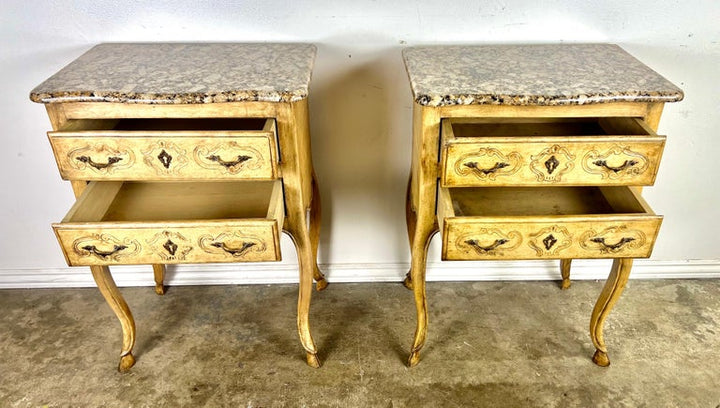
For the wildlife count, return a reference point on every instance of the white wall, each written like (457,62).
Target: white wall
(360,104)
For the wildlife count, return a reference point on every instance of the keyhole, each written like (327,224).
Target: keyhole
(549,241)
(551,164)
(165,158)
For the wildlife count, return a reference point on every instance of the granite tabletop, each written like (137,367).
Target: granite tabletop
(176,73)
(557,74)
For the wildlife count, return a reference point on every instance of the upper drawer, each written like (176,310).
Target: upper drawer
(115,222)
(549,151)
(162,149)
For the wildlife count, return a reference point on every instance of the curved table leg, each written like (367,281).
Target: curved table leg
(301,237)
(411,220)
(112,295)
(159,272)
(315,212)
(565,272)
(420,243)
(611,292)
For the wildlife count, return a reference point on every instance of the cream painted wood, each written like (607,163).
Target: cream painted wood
(549,223)
(549,151)
(97,150)
(116,223)
(294,167)
(423,203)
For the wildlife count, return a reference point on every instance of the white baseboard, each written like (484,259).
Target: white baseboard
(239,274)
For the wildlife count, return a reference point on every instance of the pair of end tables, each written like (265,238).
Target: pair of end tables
(199,153)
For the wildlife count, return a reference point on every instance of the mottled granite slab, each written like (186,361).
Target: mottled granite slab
(175,73)
(558,74)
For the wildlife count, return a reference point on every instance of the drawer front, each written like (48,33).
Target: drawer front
(549,151)
(481,238)
(214,156)
(526,161)
(177,242)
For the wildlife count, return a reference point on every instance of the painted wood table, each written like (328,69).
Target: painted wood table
(185,153)
(533,152)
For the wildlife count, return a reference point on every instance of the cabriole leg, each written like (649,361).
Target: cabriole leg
(411,220)
(419,257)
(112,295)
(315,212)
(565,272)
(159,272)
(610,294)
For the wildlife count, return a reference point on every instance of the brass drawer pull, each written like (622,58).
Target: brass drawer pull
(493,169)
(488,248)
(614,246)
(104,254)
(625,165)
(228,164)
(234,251)
(88,160)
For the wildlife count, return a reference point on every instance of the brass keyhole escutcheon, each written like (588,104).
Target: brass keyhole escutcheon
(549,242)
(551,164)
(171,247)
(165,158)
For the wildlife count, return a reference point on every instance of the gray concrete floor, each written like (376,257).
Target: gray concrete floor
(489,344)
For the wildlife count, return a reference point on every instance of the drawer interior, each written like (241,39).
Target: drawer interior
(502,127)
(151,124)
(175,201)
(529,201)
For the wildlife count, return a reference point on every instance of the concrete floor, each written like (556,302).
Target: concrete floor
(489,344)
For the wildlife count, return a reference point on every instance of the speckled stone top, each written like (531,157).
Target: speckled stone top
(559,74)
(162,73)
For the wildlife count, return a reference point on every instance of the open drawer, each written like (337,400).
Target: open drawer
(549,151)
(551,222)
(162,149)
(173,222)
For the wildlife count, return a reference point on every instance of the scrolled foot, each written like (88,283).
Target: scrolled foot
(565,284)
(160,289)
(126,362)
(414,359)
(321,285)
(601,358)
(313,360)
(408,281)
(320,282)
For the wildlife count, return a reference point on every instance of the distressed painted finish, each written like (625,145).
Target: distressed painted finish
(165,155)
(88,240)
(497,84)
(202,221)
(542,74)
(524,159)
(177,73)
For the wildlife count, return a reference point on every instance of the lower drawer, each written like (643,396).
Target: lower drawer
(173,222)
(552,222)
